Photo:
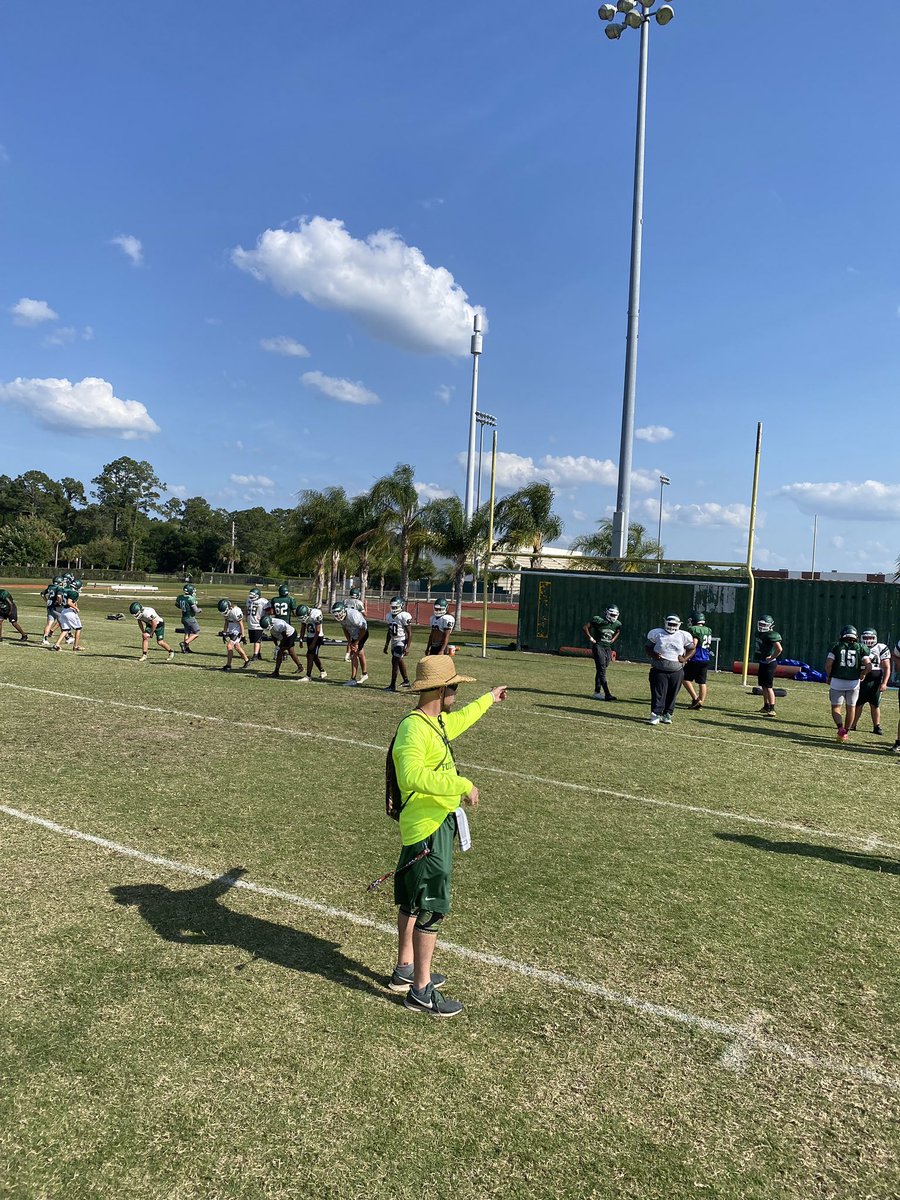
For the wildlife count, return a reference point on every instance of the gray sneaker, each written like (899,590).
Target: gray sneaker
(431,1001)
(666,718)
(402,978)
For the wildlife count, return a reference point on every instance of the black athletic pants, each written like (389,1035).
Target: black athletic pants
(602,658)
(664,687)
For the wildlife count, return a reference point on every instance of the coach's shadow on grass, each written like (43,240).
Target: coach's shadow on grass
(194,917)
(844,858)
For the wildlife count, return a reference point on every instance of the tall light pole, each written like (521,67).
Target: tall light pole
(664,481)
(491,422)
(637,15)
(475,351)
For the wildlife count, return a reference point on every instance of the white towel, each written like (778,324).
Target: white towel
(462,829)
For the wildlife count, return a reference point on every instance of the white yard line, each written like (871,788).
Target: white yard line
(742,1038)
(867,840)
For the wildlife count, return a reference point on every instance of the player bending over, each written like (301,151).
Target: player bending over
(286,637)
(9,612)
(356,631)
(150,623)
(310,622)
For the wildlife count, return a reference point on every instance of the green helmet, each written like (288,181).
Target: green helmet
(339,610)
(223,606)
(284,590)
(302,611)
(189,589)
(135,607)
(849,632)
(265,622)
(77,584)
(354,593)
(765,624)
(698,618)
(57,580)
(254,593)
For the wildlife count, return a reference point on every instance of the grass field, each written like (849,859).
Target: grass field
(678,946)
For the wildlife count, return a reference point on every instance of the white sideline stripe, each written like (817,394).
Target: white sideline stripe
(745,1036)
(868,840)
(846,759)
(736,1054)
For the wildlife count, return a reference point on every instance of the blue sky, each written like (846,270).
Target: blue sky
(343,183)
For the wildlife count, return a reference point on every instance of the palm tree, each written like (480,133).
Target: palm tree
(526,518)
(366,536)
(399,512)
(599,545)
(453,537)
(320,534)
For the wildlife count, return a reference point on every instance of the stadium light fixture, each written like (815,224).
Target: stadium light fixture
(637,14)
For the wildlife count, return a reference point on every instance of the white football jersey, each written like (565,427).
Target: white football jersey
(355,602)
(398,627)
(443,623)
(314,622)
(354,623)
(256,608)
(880,656)
(233,617)
(280,629)
(149,614)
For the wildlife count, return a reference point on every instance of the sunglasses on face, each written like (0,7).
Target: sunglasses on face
(451,687)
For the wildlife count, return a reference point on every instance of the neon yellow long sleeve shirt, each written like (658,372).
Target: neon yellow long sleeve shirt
(429,782)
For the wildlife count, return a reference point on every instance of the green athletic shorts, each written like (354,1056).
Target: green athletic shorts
(160,631)
(425,886)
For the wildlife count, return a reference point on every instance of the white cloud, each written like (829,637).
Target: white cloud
(384,284)
(866,501)
(654,433)
(32,312)
(179,490)
(444,393)
(85,407)
(431,491)
(286,346)
(339,389)
(262,481)
(563,470)
(735,516)
(131,246)
(61,336)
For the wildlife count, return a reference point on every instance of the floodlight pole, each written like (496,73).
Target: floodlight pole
(490,546)
(751,535)
(476,348)
(812,569)
(663,482)
(623,491)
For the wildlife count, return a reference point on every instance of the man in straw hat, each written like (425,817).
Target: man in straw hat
(431,790)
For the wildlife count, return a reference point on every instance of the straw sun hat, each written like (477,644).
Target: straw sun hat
(437,671)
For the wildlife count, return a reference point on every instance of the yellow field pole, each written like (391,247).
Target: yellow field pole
(490,547)
(752,594)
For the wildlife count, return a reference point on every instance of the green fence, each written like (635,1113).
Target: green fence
(554,605)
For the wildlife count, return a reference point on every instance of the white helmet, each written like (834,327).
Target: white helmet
(612,613)
(397,605)
(868,637)
(672,623)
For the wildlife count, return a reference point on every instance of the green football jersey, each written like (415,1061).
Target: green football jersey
(70,593)
(187,604)
(849,660)
(765,644)
(604,631)
(283,607)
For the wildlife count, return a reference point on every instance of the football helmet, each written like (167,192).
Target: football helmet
(672,623)
(397,605)
(255,593)
(339,610)
(57,580)
(302,611)
(77,584)
(849,633)
(265,622)
(223,606)
(135,607)
(765,624)
(284,590)
(440,607)
(354,593)
(612,613)
(868,637)
(189,589)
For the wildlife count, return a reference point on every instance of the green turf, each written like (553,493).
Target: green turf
(163,1041)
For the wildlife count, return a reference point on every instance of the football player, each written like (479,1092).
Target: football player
(234,633)
(150,622)
(354,600)
(847,663)
(310,622)
(399,639)
(875,683)
(696,669)
(52,593)
(283,604)
(602,633)
(68,615)
(285,635)
(768,648)
(257,607)
(356,631)
(187,603)
(669,647)
(9,612)
(442,624)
